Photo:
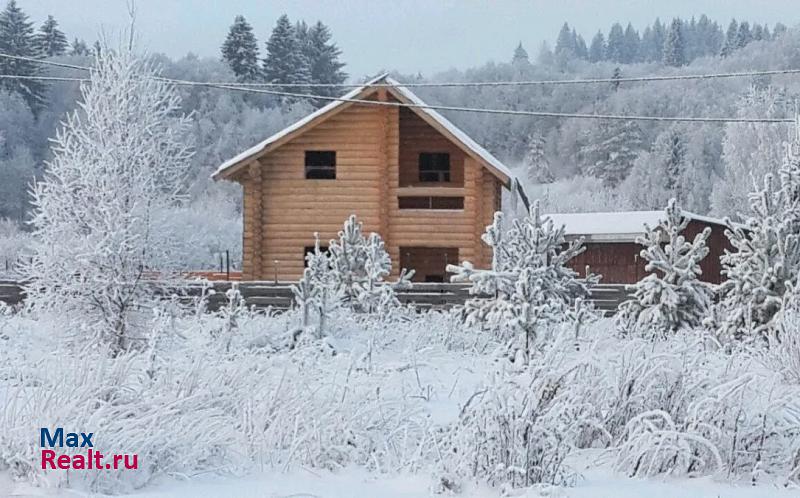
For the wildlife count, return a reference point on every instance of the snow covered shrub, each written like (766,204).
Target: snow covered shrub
(518,430)
(117,161)
(357,268)
(655,445)
(767,257)
(14,245)
(670,297)
(529,286)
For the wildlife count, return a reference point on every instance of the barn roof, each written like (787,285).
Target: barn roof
(403,95)
(623,226)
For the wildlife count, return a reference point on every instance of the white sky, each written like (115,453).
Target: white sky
(406,35)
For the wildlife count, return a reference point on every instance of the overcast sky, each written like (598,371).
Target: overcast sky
(406,35)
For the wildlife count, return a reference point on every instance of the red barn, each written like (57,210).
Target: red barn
(612,251)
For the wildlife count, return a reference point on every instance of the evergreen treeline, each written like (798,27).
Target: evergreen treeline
(295,53)
(675,43)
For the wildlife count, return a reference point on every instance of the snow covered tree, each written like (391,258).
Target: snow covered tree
(50,41)
(529,285)
(520,56)
(750,151)
(632,45)
(565,42)
(612,150)
(731,35)
(766,261)
(317,292)
(360,265)
(323,58)
(240,50)
(285,61)
(537,167)
(117,160)
(615,49)
(743,36)
(17,38)
(674,49)
(597,50)
(671,297)
(79,47)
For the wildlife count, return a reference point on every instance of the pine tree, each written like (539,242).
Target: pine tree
(530,284)
(731,35)
(50,41)
(659,35)
(766,261)
(581,51)
(632,45)
(17,38)
(671,297)
(79,47)
(285,61)
(778,30)
(674,50)
(536,165)
(615,50)
(744,36)
(323,57)
(520,56)
(565,43)
(597,51)
(240,50)
(610,155)
(616,76)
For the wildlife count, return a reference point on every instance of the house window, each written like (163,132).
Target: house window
(320,165)
(310,249)
(423,202)
(434,167)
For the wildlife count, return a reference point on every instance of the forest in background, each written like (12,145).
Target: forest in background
(570,164)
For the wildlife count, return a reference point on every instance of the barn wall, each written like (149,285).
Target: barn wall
(620,263)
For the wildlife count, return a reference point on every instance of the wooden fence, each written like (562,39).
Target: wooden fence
(606,297)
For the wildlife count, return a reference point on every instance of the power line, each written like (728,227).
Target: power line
(510,112)
(577,81)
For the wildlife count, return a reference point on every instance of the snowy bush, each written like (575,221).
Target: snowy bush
(529,285)
(766,260)
(670,297)
(14,246)
(117,162)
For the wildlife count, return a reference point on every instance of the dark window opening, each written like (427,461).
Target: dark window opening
(434,167)
(422,202)
(320,165)
(434,278)
(310,249)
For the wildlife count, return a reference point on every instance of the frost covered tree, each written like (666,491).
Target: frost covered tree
(597,49)
(750,151)
(520,56)
(360,265)
(730,43)
(671,297)
(317,291)
(116,161)
(766,257)
(537,167)
(615,48)
(285,61)
(240,50)
(17,38)
(51,41)
(674,45)
(79,47)
(529,285)
(612,150)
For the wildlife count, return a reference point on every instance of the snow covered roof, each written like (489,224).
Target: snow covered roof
(621,226)
(401,93)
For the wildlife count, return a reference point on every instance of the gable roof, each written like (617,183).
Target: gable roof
(404,96)
(622,226)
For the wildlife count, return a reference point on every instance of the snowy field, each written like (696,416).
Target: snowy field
(406,404)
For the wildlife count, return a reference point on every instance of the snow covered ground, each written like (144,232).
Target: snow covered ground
(371,411)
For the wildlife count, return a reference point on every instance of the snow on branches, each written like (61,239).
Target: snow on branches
(118,162)
(767,257)
(529,285)
(670,297)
